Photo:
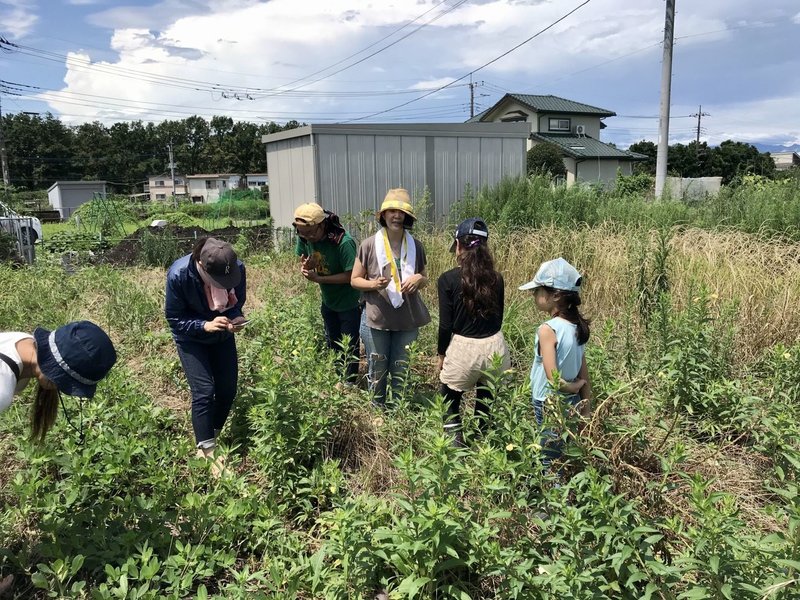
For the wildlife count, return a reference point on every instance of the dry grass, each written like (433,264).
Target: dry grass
(762,276)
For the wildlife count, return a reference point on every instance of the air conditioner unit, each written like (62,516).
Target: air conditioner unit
(580,129)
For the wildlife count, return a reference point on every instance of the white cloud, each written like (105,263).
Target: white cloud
(84,2)
(796,18)
(18,17)
(248,48)
(432,84)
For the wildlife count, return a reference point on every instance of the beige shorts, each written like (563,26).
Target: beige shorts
(468,359)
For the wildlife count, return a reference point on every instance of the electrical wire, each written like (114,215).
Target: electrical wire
(506,53)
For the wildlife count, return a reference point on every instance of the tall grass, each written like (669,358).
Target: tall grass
(754,206)
(761,277)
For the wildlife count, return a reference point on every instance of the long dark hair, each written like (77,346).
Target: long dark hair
(567,304)
(479,280)
(43,413)
(198,247)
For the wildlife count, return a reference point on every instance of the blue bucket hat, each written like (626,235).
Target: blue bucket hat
(557,274)
(75,357)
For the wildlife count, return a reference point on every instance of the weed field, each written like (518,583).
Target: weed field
(684,484)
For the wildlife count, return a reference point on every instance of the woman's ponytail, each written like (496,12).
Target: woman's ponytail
(43,413)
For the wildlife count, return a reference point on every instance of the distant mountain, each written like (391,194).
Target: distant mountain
(777,148)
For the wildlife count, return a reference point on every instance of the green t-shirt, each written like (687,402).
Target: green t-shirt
(331,260)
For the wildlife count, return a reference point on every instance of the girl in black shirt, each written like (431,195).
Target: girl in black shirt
(471,298)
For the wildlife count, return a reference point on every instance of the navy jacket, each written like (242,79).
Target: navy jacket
(186,306)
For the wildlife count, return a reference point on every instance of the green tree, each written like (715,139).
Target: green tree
(733,159)
(546,157)
(650,150)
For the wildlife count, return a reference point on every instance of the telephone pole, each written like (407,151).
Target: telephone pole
(472,87)
(666,85)
(172,172)
(699,114)
(3,157)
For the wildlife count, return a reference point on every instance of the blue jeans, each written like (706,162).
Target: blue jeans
(337,324)
(212,371)
(387,356)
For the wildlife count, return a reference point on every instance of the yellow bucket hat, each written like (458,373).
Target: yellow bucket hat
(397,199)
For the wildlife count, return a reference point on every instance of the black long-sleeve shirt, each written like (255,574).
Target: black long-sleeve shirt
(453,315)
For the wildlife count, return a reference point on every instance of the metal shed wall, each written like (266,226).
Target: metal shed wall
(355,165)
(290,164)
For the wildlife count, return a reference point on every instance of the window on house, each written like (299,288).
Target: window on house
(211,184)
(161,196)
(224,183)
(559,125)
(160,183)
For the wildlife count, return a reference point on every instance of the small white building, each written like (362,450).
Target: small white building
(160,187)
(207,187)
(255,181)
(785,160)
(67,196)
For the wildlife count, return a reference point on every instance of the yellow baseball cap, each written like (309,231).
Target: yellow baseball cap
(309,214)
(398,199)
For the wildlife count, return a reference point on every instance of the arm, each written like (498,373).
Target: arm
(358,279)
(180,319)
(445,317)
(419,279)
(547,348)
(344,277)
(241,296)
(586,390)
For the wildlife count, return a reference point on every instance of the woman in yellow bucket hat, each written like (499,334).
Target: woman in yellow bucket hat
(390,271)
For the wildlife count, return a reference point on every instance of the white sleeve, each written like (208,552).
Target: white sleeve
(8,383)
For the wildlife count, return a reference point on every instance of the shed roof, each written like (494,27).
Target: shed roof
(586,147)
(501,130)
(87,183)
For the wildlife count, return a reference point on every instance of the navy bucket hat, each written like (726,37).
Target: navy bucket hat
(75,357)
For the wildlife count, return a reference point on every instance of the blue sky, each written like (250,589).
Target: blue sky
(87,60)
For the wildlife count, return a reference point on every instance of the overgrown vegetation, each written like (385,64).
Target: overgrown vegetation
(756,205)
(683,485)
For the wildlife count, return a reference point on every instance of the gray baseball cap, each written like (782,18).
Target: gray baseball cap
(219,261)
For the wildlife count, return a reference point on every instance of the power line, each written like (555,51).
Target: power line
(506,53)
(375,44)
(237,92)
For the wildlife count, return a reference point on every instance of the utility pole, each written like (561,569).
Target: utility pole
(471,97)
(666,84)
(472,87)
(700,114)
(172,172)
(3,157)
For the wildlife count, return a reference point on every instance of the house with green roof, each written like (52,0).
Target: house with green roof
(572,126)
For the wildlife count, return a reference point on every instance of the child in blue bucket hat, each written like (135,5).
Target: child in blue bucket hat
(72,359)
(559,346)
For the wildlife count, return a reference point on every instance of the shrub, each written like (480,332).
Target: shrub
(546,158)
(159,249)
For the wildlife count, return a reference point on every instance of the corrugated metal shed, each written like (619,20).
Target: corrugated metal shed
(348,168)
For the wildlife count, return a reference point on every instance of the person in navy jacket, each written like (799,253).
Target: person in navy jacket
(205,293)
